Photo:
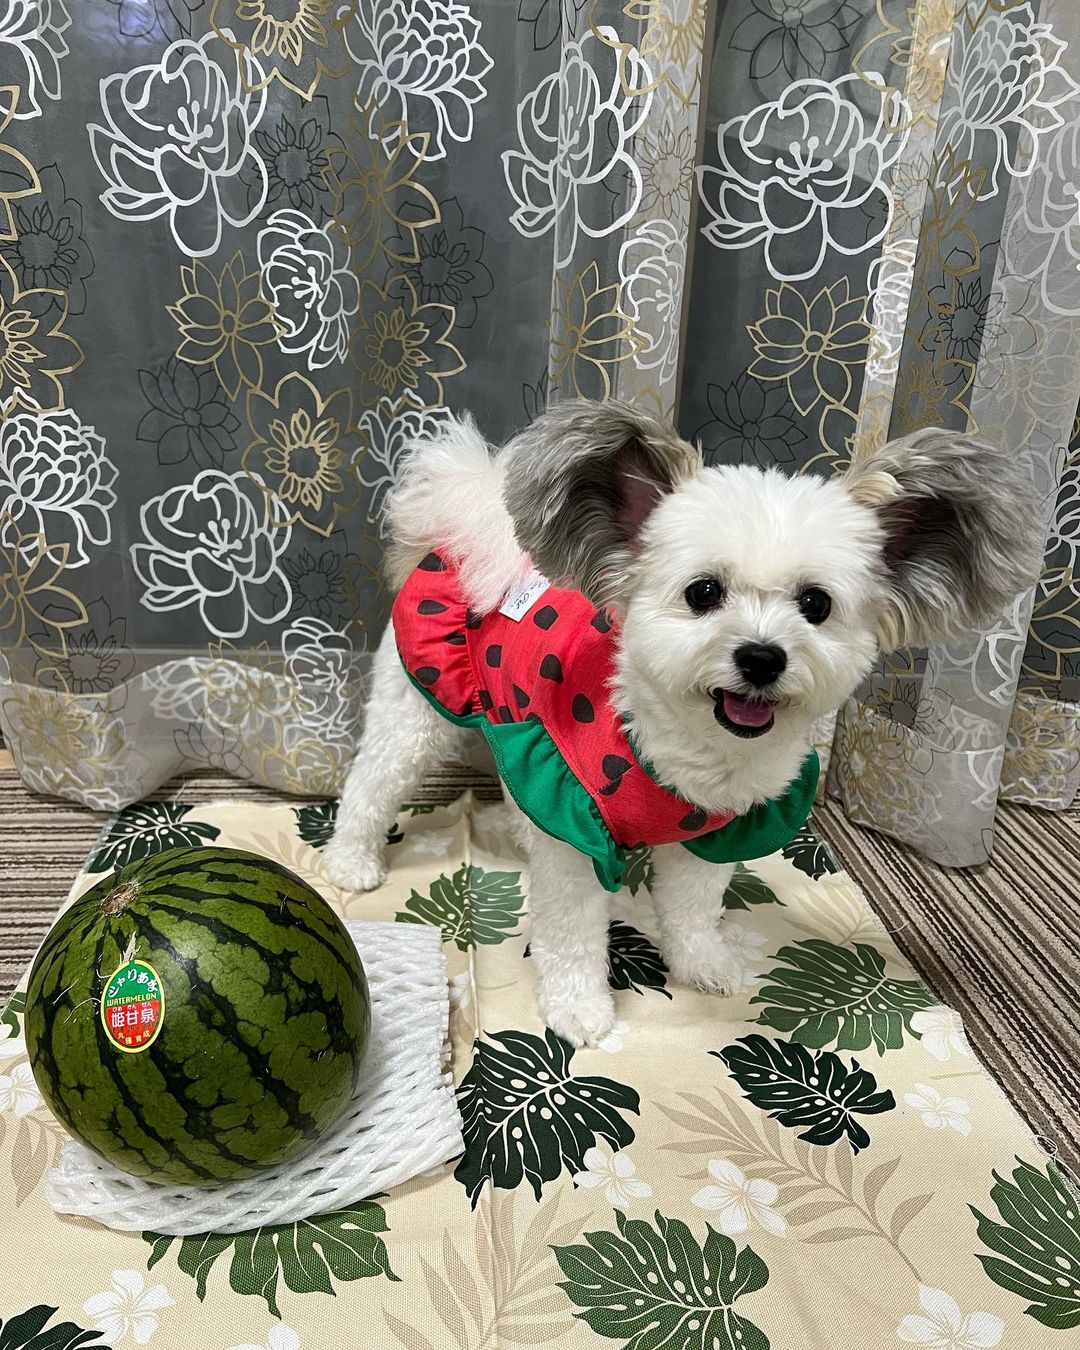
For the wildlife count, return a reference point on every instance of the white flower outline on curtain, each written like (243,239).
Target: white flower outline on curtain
(388,430)
(209,543)
(1052,209)
(305,270)
(35,29)
(1004,73)
(652,265)
(57,481)
(186,162)
(574,159)
(426,59)
(319,663)
(792,169)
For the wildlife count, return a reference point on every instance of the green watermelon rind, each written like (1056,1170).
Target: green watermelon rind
(253,1063)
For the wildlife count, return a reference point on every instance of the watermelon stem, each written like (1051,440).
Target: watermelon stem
(118,900)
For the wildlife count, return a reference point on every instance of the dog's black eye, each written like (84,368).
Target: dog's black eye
(815,604)
(704,594)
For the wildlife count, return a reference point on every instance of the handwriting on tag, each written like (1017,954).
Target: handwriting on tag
(522,598)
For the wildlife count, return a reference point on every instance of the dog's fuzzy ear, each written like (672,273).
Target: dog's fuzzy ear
(581,482)
(960,534)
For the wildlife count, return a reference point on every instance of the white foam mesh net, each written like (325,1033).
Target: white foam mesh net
(402,1121)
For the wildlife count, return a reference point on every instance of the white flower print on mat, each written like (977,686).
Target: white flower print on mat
(129,1308)
(575,133)
(461,990)
(281,1337)
(32,32)
(214,543)
(18,1091)
(12,1046)
(388,432)
(941,1326)
(796,175)
(431,841)
(941,1032)
(306,277)
(939,1112)
(184,161)
(419,60)
(1005,89)
(612,1041)
(737,1200)
(57,481)
(744,947)
(652,265)
(615,1174)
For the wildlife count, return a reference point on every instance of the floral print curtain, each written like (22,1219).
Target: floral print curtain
(248,248)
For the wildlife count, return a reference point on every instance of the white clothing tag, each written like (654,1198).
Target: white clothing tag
(522,598)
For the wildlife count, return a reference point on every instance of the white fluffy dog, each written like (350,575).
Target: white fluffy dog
(744,604)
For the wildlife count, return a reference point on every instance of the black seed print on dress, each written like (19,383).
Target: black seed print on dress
(693,820)
(505,715)
(432,563)
(521,698)
(456,640)
(551,668)
(582,709)
(614,767)
(427,675)
(472,619)
(601,621)
(431,607)
(544,618)
(486,701)
(493,656)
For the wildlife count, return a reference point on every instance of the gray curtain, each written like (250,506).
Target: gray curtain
(249,248)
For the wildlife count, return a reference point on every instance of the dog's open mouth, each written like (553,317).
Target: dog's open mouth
(742,716)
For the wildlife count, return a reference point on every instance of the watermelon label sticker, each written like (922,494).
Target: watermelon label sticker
(133,1006)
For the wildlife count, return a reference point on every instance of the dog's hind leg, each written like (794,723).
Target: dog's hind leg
(403,737)
(688,894)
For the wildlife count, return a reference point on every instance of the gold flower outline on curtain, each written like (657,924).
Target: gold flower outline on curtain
(876,768)
(300,49)
(34,349)
(813,345)
(29,597)
(668,50)
(14,167)
(399,344)
(665,157)
(373,190)
(223,321)
(301,451)
(68,741)
(1043,744)
(590,334)
(920,46)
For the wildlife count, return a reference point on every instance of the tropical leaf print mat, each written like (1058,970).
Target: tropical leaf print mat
(814,1162)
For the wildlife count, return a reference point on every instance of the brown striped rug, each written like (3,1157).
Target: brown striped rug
(999,943)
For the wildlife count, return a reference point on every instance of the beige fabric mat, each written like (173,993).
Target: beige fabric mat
(1000,943)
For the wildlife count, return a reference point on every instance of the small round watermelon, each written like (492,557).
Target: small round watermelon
(198,1017)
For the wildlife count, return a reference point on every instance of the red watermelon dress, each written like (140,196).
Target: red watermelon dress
(534,677)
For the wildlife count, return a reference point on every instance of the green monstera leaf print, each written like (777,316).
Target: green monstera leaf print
(803,1088)
(810,855)
(307,1256)
(30,1331)
(1037,1244)
(315,824)
(657,1288)
(473,907)
(146,828)
(12,1015)
(525,1116)
(639,869)
(825,994)
(746,888)
(633,962)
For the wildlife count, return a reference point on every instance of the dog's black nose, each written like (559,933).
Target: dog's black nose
(760,663)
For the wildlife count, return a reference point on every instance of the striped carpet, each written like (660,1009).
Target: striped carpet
(1000,943)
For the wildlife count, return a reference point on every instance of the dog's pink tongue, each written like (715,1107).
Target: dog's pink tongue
(746,712)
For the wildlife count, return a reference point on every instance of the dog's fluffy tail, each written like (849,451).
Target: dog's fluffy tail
(451,498)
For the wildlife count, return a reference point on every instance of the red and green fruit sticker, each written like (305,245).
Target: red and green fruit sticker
(133,1006)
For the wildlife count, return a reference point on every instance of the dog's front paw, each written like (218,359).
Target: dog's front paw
(584,1019)
(353,867)
(702,961)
